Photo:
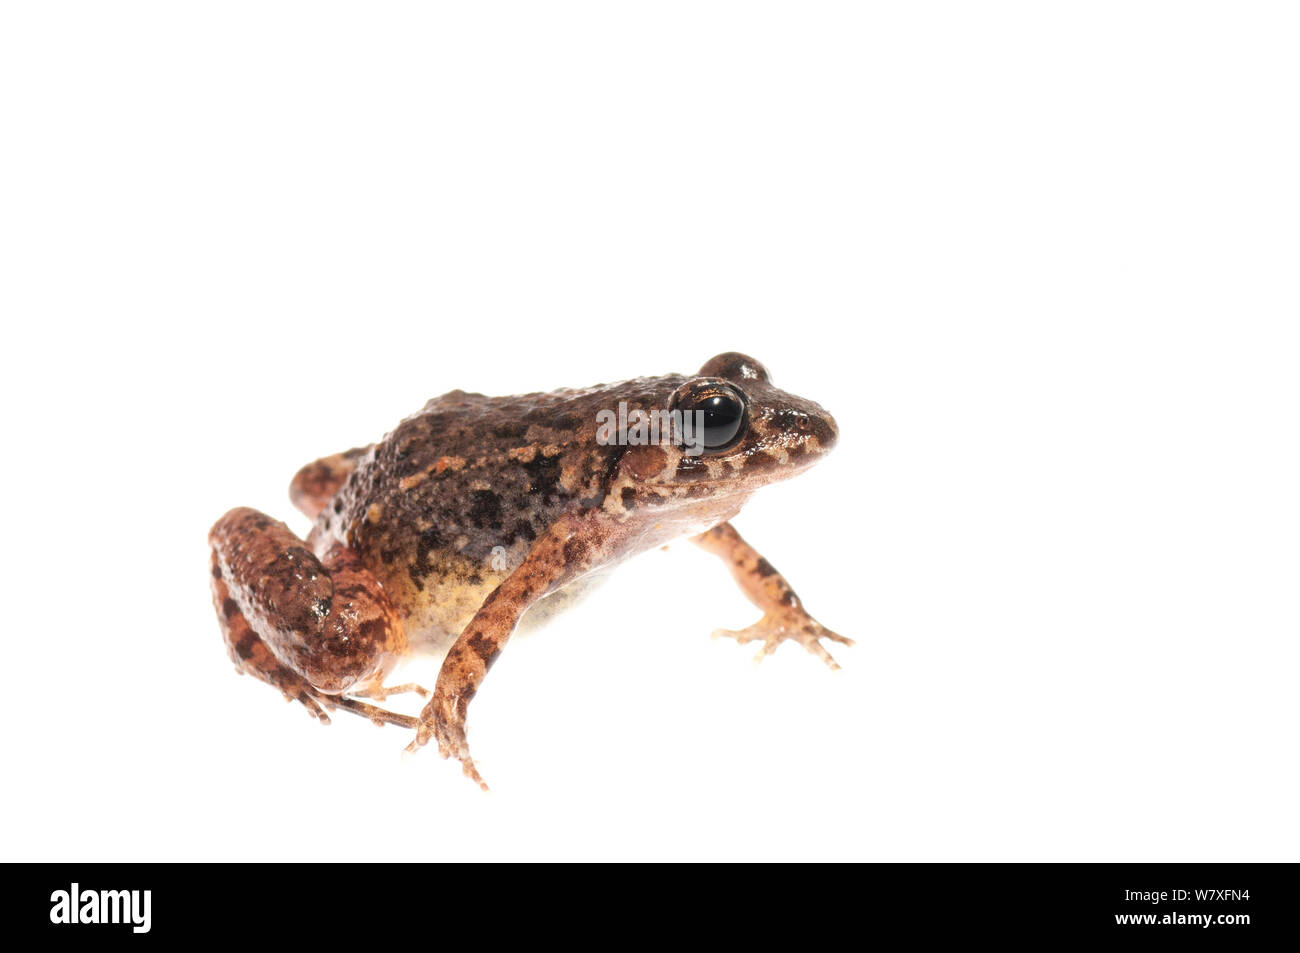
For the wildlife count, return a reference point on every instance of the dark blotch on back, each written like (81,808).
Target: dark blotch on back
(510,431)
(429,541)
(485,510)
(545,475)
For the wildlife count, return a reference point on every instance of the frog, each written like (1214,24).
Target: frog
(475,511)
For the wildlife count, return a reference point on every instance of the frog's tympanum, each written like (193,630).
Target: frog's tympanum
(473,509)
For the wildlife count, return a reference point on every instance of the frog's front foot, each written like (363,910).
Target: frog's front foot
(780,626)
(784,616)
(443,720)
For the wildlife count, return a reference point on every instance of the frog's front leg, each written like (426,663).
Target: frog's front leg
(314,628)
(562,554)
(784,616)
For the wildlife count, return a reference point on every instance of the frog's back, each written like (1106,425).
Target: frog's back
(448,503)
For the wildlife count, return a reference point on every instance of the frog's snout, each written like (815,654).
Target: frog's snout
(824,430)
(814,425)
(806,426)
(827,432)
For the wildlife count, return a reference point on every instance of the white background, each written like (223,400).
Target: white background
(1040,260)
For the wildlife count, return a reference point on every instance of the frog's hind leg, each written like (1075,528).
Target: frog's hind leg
(784,617)
(313,628)
(315,484)
(250,654)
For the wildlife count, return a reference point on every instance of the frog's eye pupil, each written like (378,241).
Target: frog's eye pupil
(723,415)
(716,410)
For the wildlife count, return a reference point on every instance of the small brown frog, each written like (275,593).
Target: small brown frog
(476,508)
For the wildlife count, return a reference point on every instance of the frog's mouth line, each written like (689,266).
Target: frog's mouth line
(791,461)
(738,477)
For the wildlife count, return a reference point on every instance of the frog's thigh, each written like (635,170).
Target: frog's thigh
(315,484)
(327,621)
(250,654)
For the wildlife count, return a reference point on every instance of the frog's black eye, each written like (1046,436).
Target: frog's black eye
(722,410)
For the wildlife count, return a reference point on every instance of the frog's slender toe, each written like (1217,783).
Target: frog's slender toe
(811,636)
(443,721)
(318,703)
(313,707)
(379,693)
(377,715)
(458,748)
(452,743)
(471,772)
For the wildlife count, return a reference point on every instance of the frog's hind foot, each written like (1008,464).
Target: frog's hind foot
(313,707)
(775,628)
(376,692)
(379,716)
(379,693)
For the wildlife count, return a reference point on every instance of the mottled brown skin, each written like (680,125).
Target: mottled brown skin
(472,510)
(314,486)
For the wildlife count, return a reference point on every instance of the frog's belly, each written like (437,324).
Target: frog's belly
(438,604)
(439,599)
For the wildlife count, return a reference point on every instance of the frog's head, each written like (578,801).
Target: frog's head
(738,432)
